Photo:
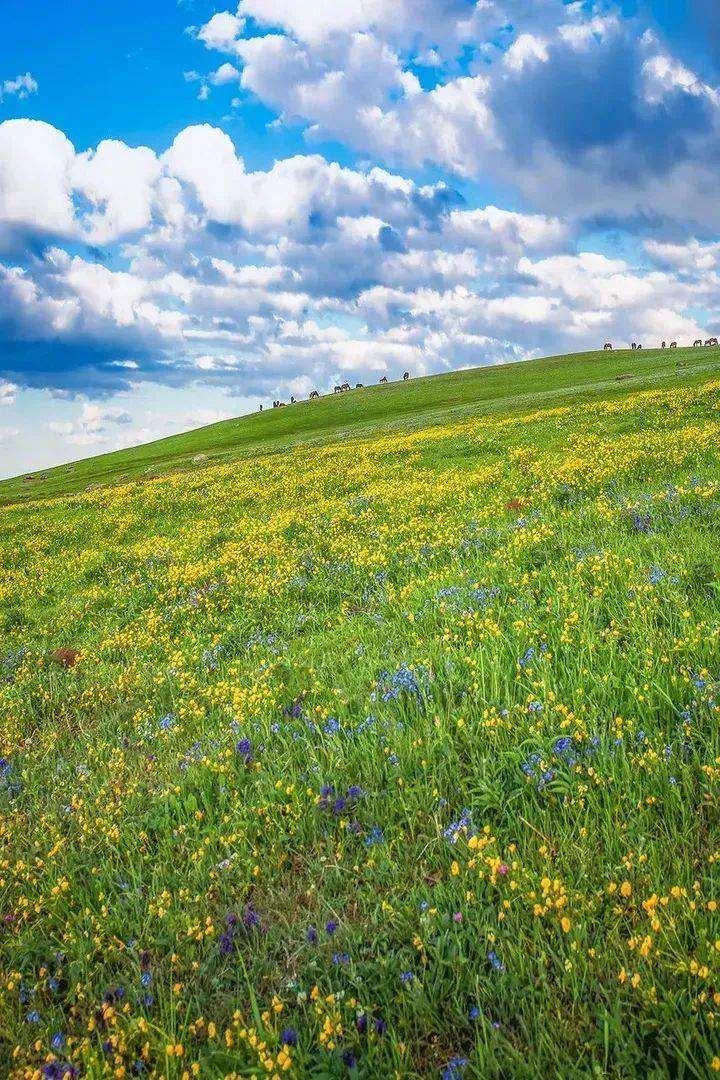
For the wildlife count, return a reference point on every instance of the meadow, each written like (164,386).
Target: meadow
(387,748)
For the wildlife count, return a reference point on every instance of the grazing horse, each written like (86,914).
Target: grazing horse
(634,346)
(358,386)
(607,347)
(346,386)
(337,389)
(673,344)
(406,376)
(664,345)
(282,405)
(384,378)
(696,343)
(314,394)
(711,341)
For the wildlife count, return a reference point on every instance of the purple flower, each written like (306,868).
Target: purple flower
(312,935)
(406,976)
(289,1037)
(331,926)
(244,749)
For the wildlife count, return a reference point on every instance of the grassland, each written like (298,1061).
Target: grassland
(560,380)
(391,745)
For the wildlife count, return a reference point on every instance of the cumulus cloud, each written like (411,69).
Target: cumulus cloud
(570,102)
(280,280)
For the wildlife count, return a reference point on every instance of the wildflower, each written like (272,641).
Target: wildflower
(331,926)
(375,836)
(244,749)
(454,1069)
(561,745)
(311,935)
(407,976)
(495,961)
(289,1037)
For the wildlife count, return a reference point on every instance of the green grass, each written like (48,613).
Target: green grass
(392,407)
(437,663)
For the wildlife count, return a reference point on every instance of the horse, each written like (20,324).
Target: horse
(673,344)
(384,379)
(639,346)
(634,346)
(292,400)
(406,376)
(345,386)
(358,386)
(607,347)
(664,345)
(314,394)
(696,343)
(337,389)
(711,341)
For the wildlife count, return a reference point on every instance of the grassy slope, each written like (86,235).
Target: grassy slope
(518,616)
(395,407)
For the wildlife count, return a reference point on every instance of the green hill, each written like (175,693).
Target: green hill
(383,743)
(393,407)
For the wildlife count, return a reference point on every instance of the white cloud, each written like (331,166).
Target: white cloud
(8,392)
(21,86)
(221,31)
(35,186)
(119,181)
(526,49)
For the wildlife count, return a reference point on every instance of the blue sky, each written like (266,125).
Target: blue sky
(203,208)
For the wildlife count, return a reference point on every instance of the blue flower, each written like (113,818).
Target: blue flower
(561,745)
(495,961)
(289,1037)
(454,1069)
(406,976)
(331,926)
